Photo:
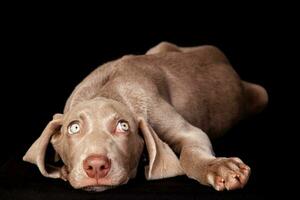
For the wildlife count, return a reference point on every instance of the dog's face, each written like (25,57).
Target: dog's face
(99,144)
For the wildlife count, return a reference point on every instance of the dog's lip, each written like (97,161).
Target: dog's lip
(98,188)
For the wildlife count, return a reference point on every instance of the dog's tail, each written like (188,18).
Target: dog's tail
(256,97)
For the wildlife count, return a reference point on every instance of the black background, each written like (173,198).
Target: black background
(44,56)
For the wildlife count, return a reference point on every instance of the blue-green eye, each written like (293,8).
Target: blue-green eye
(122,126)
(74,128)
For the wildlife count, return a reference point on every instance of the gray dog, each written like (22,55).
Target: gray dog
(171,99)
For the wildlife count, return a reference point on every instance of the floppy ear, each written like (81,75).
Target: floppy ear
(163,162)
(36,153)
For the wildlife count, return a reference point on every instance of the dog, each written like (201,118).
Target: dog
(172,100)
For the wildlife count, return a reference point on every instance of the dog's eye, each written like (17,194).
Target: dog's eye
(74,128)
(122,126)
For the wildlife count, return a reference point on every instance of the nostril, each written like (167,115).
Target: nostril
(105,166)
(90,168)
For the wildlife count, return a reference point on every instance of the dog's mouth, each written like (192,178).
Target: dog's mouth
(98,188)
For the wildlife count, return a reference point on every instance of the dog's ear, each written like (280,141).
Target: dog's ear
(163,162)
(37,152)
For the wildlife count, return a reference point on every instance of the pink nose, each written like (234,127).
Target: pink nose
(96,166)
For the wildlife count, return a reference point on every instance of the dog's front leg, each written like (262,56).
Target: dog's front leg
(196,155)
(199,163)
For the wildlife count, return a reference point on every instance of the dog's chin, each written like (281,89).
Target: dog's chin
(98,188)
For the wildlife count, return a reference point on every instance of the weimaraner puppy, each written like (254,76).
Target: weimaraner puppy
(171,99)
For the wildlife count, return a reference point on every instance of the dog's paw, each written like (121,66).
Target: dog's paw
(227,173)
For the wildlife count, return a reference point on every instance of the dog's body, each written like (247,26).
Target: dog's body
(177,95)
(201,86)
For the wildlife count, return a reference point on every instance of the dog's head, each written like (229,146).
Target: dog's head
(100,142)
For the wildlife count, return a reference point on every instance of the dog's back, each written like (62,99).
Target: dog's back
(202,86)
